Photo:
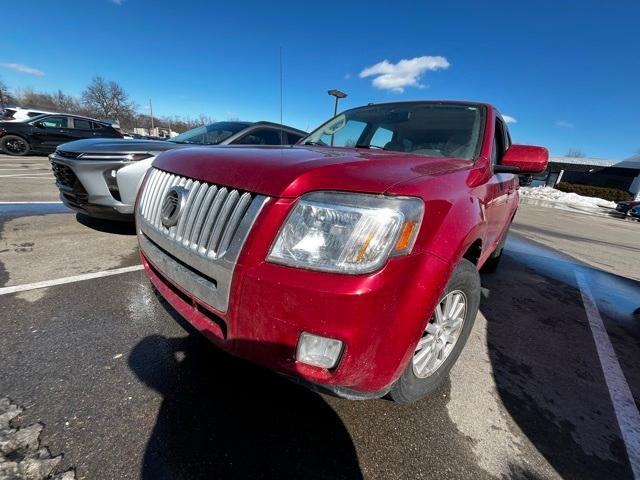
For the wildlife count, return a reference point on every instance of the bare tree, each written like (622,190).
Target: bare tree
(5,96)
(575,153)
(65,103)
(107,99)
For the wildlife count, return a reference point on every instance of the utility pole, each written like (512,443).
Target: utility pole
(151,113)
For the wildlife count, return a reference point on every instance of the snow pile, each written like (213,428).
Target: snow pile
(570,199)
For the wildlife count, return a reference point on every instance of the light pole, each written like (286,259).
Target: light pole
(338,94)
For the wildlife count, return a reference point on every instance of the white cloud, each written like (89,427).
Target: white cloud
(23,69)
(564,124)
(405,73)
(118,2)
(509,119)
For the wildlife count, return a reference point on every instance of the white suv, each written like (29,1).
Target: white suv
(19,114)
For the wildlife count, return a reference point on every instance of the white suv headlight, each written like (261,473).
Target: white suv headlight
(347,232)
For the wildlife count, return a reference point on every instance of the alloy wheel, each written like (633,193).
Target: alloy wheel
(441,334)
(16,146)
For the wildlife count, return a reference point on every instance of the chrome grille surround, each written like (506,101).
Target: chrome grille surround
(208,237)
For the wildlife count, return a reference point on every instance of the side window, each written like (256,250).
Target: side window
(55,122)
(262,136)
(381,137)
(499,144)
(97,126)
(293,138)
(81,124)
(33,114)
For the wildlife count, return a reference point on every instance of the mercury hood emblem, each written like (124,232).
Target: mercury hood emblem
(172,206)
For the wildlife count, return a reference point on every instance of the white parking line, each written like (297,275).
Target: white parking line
(26,174)
(623,403)
(48,179)
(23,169)
(24,203)
(61,281)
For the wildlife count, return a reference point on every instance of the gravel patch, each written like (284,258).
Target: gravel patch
(21,456)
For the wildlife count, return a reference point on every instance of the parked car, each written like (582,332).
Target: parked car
(624,207)
(101,178)
(43,133)
(635,211)
(18,114)
(349,261)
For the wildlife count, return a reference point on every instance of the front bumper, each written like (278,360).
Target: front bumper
(85,188)
(379,316)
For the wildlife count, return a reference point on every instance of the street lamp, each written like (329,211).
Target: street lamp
(338,94)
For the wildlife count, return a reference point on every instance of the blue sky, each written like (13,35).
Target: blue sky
(567,72)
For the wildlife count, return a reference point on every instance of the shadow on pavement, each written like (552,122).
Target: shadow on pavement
(107,226)
(224,418)
(545,363)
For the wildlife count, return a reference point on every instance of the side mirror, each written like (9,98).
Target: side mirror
(38,124)
(523,159)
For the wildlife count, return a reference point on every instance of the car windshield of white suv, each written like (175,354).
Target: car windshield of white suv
(211,134)
(432,129)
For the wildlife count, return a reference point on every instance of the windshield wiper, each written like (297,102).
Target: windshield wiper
(370,146)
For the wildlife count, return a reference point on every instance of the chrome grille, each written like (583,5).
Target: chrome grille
(213,224)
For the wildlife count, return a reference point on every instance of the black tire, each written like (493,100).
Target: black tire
(14,145)
(410,388)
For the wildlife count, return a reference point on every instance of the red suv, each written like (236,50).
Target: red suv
(348,261)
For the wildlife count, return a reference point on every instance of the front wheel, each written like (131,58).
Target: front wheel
(443,338)
(14,145)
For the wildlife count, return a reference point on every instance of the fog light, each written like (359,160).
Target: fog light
(318,351)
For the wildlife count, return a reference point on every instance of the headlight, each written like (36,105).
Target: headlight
(347,232)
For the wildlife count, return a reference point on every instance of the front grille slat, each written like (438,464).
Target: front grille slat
(234,220)
(221,221)
(149,191)
(192,188)
(203,241)
(202,212)
(157,198)
(193,212)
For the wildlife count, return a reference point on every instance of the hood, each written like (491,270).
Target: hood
(116,145)
(293,171)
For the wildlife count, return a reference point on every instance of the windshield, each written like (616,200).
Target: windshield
(211,134)
(437,130)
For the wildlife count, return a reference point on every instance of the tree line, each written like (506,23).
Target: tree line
(103,100)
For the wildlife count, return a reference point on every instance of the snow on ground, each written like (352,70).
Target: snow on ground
(569,199)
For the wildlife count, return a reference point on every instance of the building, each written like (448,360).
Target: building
(159,132)
(620,174)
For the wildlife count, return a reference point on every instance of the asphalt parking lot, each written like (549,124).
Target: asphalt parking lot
(125,390)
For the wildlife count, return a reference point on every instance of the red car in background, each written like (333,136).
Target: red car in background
(349,261)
